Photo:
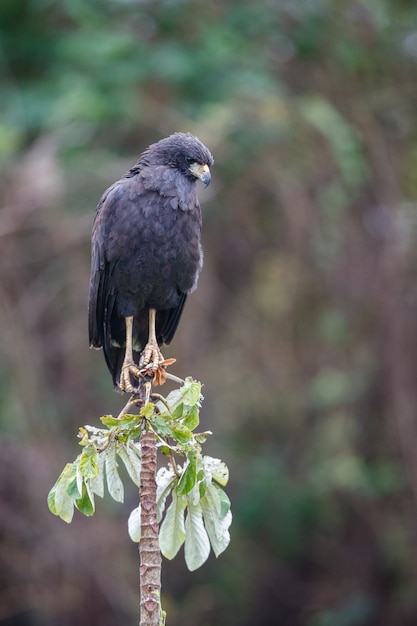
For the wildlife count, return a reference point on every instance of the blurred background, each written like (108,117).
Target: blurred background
(304,326)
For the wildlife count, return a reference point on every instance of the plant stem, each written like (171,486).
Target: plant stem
(150,555)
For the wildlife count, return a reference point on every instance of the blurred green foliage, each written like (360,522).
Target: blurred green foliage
(304,326)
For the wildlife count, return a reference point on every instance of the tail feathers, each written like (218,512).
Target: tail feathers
(114,352)
(114,360)
(167,322)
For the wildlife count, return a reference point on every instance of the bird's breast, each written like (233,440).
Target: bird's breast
(157,255)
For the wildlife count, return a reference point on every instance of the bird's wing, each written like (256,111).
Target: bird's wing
(167,321)
(101,297)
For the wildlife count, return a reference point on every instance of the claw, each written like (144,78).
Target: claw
(151,356)
(151,363)
(129,368)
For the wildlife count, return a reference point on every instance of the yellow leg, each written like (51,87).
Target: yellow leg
(151,354)
(152,323)
(129,366)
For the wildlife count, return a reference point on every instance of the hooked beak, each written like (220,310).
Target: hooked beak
(202,172)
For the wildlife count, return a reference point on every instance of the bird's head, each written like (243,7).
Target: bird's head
(185,153)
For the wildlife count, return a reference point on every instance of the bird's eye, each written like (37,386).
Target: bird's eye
(189,160)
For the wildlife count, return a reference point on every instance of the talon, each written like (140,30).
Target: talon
(151,356)
(151,363)
(129,368)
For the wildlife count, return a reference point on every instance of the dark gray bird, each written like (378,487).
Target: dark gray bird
(146,255)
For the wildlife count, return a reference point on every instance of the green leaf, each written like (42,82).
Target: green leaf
(197,544)
(217,530)
(130,419)
(181,433)
(188,477)
(97,483)
(202,486)
(191,392)
(161,426)
(131,461)
(173,399)
(178,411)
(165,480)
(191,419)
(136,449)
(51,500)
(88,463)
(134,523)
(90,494)
(127,421)
(202,437)
(114,484)
(83,435)
(172,531)
(80,477)
(85,504)
(75,485)
(148,410)
(216,527)
(110,421)
(223,500)
(59,501)
(218,470)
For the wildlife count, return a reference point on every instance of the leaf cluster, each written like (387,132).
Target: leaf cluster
(198,514)
(85,477)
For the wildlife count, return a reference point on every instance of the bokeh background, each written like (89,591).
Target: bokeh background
(304,326)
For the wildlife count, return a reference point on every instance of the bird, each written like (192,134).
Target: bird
(146,256)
